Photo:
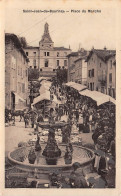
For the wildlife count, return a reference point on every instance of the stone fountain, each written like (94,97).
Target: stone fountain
(50,157)
(51,151)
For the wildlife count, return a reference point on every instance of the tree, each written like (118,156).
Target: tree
(33,74)
(23,42)
(61,75)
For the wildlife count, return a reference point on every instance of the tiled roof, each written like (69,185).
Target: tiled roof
(17,43)
(61,48)
(55,48)
(102,54)
(73,54)
(83,55)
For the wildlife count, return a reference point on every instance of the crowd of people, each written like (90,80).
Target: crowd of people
(82,112)
(100,121)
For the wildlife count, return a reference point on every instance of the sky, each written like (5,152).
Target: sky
(86,30)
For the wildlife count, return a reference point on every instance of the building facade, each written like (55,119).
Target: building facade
(47,58)
(16,73)
(71,71)
(97,69)
(111,76)
(77,66)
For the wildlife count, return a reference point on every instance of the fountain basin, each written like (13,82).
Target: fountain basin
(81,154)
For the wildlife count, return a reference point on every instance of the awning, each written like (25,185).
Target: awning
(45,86)
(47,83)
(69,83)
(99,97)
(18,98)
(43,89)
(44,96)
(76,86)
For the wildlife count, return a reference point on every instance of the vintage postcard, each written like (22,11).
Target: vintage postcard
(60,97)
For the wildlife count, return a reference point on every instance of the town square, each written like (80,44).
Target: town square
(60,110)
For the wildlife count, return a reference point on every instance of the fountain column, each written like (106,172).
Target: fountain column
(51,150)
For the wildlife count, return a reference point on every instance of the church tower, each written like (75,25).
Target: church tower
(46,57)
(46,41)
(46,52)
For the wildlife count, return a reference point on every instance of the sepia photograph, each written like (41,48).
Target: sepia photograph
(60,96)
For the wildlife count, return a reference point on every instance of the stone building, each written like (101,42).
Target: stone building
(111,76)
(77,66)
(47,58)
(97,69)
(16,73)
(71,71)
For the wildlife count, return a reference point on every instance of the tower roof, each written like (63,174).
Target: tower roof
(46,36)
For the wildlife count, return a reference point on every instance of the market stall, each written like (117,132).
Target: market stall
(99,97)
(76,86)
(44,102)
